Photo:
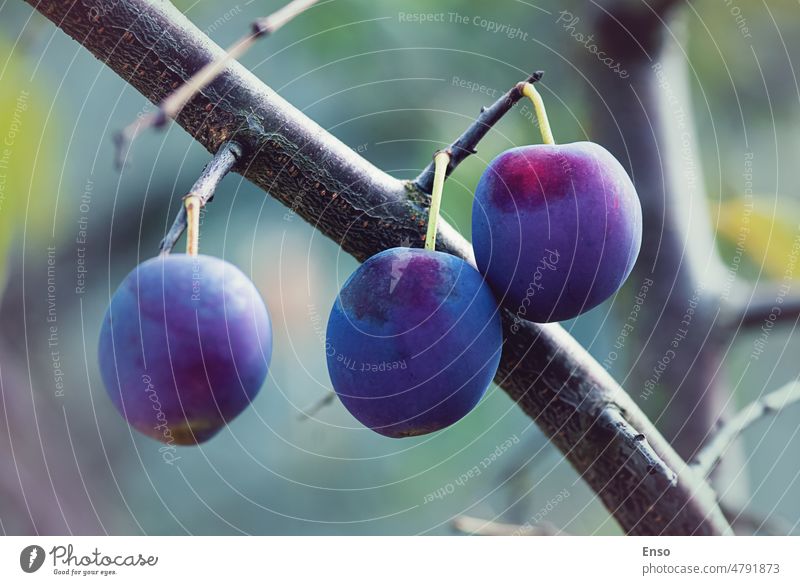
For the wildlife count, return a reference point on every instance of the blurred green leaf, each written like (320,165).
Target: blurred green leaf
(27,155)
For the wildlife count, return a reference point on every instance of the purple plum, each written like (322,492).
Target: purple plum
(184,347)
(556,229)
(413,341)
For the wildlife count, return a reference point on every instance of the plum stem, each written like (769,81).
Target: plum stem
(192,204)
(440,161)
(529,91)
(203,189)
(171,106)
(465,144)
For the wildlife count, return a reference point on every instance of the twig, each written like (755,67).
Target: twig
(174,103)
(767,303)
(317,406)
(708,457)
(466,143)
(479,527)
(203,189)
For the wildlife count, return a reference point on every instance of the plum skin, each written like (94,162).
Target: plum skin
(556,229)
(413,341)
(184,347)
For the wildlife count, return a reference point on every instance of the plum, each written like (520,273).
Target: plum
(413,341)
(184,347)
(556,229)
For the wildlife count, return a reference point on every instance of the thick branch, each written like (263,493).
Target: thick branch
(639,477)
(170,107)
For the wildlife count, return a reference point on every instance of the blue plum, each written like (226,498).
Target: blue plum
(413,341)
(556,229)
(184,347)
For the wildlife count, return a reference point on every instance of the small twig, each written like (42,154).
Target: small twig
(774,303)
(269,24)
(317,406)
(171,106)
(203,189)
(466,143)
(708,458)
(479,527)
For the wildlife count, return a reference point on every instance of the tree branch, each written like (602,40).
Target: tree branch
(173,103)
(772,302)
(772,403)
(642,481)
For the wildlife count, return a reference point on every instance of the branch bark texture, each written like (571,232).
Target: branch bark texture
(647,487)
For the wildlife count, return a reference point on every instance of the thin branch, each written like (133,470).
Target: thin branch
(312,410)
(269,24)
(773,403)
(204,188)
(763,307)
(172,104)
(479,527)
(466,143)
(600,429)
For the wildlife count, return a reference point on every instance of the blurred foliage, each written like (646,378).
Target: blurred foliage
(28,145)
(761,228)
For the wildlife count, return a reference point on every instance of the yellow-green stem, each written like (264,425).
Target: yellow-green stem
(440,161)
(528,90)
(192,203)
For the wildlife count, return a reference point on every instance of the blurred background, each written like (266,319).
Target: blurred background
(395,90)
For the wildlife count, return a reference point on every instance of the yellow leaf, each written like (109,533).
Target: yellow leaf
(27,147)
(763,230)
